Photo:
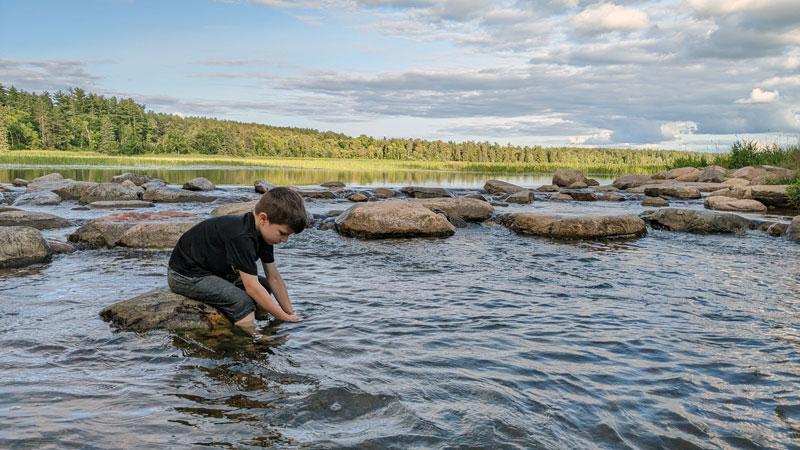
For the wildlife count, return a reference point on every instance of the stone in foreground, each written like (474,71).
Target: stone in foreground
(392,219)
(161,309)
(135,229)
(695,221)
(581,227)
(38,220)
(22,246)
(501,187)
(722,203)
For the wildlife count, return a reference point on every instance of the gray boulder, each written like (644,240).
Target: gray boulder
(234,209)
(135,229)
(137,179)
(73,190)
(38,220)
(317,194)
(48,178)
(392,219)
(582,196)
(20,182)
(671,190)
(580,227)
(358,197)
(383,192)
(561,197)
(42,198)
(793,231)
(501,187)
(22,246)
(713,174)
(694,221)
(172,195)
(722,203)
(199,184)
(655,202)
(565,178)
(109,192)
(121,204)
(162,309)
(262,186)
(632,181)
(468,209)
(522,197)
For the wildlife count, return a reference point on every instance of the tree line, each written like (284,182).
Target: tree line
(79,120)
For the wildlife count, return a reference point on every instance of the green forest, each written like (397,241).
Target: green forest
(79,120)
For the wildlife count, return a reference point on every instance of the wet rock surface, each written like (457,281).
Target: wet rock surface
(471,210)
(582,227)
(392,219)
(110,192)
(38,220)
(161,309)
(135,229)
(237,208)
(501,187)
(695,221)
(22,246)
(425,192)
(171,195)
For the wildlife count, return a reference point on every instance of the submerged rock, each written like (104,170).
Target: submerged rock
(722,203)
(199,184)
(38,220)
(161,309)
(391,219)
(425,192)
(581,227)
(501,187)
(22,246)
(135,229)
(171,195)
(233,209)
(469,209)
(695,221)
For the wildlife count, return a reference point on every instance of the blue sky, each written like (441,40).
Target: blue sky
(692,74)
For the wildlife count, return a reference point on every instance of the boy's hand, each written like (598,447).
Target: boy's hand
(292,318)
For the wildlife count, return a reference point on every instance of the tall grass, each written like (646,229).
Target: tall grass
(746,153)
(55,158)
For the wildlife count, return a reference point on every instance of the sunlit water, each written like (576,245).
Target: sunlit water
(485,339)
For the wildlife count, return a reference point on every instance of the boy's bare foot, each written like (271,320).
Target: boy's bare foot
(248,324)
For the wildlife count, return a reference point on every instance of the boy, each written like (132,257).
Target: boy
(215,261)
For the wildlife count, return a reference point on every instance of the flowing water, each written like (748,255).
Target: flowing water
(482,340)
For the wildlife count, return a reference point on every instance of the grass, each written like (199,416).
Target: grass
(746,153)
(56,157)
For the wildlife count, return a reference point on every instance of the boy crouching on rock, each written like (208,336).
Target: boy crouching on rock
(215,261)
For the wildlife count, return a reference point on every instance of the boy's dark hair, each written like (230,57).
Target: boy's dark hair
(284,207)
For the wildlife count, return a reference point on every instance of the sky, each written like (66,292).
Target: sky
(679,74)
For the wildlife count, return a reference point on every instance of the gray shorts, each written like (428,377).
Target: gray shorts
(228,297)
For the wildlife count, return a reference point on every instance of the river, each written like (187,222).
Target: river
(485,339)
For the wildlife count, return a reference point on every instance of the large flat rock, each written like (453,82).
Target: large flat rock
(22,246)
(38,220)
(110,192)
(580,227)
(393,219)
(171,195)
(723,203)
(425,192)
(694,221)
(234,209)
(469,209)
(501,187)
(161,309)
(136,229)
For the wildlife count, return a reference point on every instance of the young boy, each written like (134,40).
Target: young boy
(215,261)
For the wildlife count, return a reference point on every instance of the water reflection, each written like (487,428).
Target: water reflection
(245,176)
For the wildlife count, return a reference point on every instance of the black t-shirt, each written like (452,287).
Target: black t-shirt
(221,246)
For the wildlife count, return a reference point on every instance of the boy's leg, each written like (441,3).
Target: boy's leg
(261,313)
(233,302)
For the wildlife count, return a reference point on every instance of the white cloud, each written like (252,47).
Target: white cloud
(601,137)
(607,17)
(671,131)
(723,7)
(793,80)
(757,95)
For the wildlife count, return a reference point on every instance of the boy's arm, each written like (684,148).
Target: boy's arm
(254,289)
(278,287)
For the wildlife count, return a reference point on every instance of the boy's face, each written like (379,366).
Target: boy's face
(271,232)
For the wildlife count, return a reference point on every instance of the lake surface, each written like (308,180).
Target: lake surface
(483,340)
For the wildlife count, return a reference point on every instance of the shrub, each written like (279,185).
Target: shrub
(793,192)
